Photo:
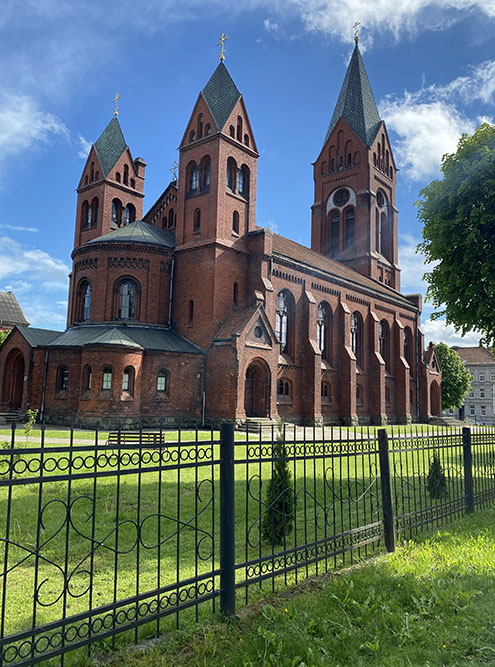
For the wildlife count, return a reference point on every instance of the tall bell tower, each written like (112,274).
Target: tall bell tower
(354,217)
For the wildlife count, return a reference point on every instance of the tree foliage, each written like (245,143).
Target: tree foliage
(458,214)
(436,481)
(3,336)
(278,518)
(456,379)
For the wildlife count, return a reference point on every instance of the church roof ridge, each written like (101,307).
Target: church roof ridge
(356,102)
(221,95)
(110,146)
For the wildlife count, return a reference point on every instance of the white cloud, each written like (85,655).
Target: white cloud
(33,265)
(85,147)
(413,266)
(20,229)
(24,124)
(438,331)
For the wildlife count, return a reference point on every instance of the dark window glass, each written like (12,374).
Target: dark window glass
(341,197)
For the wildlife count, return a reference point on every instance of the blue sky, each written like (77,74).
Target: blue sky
(431,66)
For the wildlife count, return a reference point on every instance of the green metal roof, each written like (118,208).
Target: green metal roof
(138,232)
(110,146)
(133,336)
(221,95)
(356,103)
(38,337)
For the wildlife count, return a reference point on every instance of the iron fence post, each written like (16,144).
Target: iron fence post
(468,469)
(386,484)
(227,520)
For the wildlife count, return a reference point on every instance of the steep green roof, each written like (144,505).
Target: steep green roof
(110,146)
(138,232)
(221,95)
(356,103)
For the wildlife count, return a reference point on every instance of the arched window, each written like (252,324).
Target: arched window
(326,393)
(408,349)
(63,378)
(239,128)
(334,233)
(356,335)
(246,139)
(87,378)
(359,394)
(231,173)
(94,212)
(235,222)
(332,164)
(129,214)
(86,179)
(126,175)
(127,300)
(324,168)
(378,244)
(200,125)
(384,340)
(387,396)
(235,295)
(323,330)
(171,219)
(207,129)
(283,321)
(349,227)
(164,222)
(117,212)
(243,181)
(191,313)
(284,388)
(349,160)
(162,381)
(117,177)
(133,183)
(232,131)
(197,221)
(128,380)
(191,136)
(107,377)
(85,300)
(206,174)
(85,214)
(97,175)
(92,172)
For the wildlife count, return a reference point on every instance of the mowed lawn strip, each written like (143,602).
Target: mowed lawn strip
(430,603)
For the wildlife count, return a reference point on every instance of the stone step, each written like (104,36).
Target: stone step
(446,421)
(11,416)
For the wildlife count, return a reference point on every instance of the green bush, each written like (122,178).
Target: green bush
(278,519)
(436,482)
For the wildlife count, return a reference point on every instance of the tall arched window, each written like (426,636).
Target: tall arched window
(117,212)
(129,214)
(126,175)
(92,172)
(283,321)
(235,222)
(85,214)
(243,181)
(384,340)
(231,173)
(200,126)
(334,233)
(171,218)
(323,330)
(239,128)
(205,174)
(117,176)
(235,295)
(63,378)
(349,227)
(194,178)
(162,381)
(107,377)
(128,380)
(356,335)
(87,378)
(127,300)
(197,221)
(408,349)
(85,296)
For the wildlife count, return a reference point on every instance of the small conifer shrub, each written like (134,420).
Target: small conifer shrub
(278,519)
(436,481)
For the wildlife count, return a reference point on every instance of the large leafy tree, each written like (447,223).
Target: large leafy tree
(456,379)
(458,214)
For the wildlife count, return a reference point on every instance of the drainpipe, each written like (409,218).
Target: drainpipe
(171,292)
(43,390)
(203,404)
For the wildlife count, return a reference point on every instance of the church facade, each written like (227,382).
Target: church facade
(191,313)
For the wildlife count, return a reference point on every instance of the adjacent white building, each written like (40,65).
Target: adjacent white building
(479,404)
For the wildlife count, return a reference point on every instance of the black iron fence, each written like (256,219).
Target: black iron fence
(114,539)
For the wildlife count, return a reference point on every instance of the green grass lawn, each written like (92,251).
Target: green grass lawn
(430,603)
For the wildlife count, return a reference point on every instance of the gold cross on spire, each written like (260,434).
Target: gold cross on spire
(116,102)
(223,38)
(356,31)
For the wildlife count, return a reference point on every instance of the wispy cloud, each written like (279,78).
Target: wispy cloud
(18,228)
(438,331)
(84,147)
(34,265)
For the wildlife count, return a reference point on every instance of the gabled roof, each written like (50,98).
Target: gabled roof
(356,103)
(475,355)
(137,232)
(110,146)
(38,337)
(134,336)
(221,95)
(311,260)
(10,310)
(235,323)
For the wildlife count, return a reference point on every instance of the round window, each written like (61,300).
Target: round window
(258,332)
(341,197)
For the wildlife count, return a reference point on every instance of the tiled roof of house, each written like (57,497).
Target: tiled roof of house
(137,232)
(284,247)
(38,337)
(221,95)
(356,103)
(475,355)
(10,310)
(235,323)
(110,146)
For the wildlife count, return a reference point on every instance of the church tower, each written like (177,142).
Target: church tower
(216,209)
(354,218)
(111,190)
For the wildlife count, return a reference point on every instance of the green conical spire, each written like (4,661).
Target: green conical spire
(221,95)
(110,146)
(356,103)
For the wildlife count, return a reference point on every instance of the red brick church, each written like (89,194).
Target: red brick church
(193,313)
